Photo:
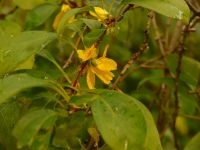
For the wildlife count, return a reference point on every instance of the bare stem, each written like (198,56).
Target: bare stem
(136,55)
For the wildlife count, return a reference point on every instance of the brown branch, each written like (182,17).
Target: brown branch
(159,38)
(84,64)
(79,74)
(125,9)
(136,55)
(180,52)
(174,42)
(69,60)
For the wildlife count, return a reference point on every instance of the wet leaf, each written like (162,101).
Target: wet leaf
(13,84)
(124,122)
(16,50)
(171,8)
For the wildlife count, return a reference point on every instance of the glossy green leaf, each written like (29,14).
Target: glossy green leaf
(171,8)
(18,49)
(124,122)
(39,15)
(28,128)
(13,84)
(194,143)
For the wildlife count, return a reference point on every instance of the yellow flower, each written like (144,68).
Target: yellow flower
(99,13)
(59,16)
(87,54)
(101,67)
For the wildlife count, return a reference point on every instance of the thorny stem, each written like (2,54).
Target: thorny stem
(136,55)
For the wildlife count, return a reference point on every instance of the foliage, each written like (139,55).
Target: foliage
(99,74)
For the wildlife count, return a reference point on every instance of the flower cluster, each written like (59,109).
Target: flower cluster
(101,67)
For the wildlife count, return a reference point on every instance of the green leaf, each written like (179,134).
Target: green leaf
(9,115)
(75,126)
(49,57)
(9,28)
(92,36)
(188,75)
(17,50)
(28,4)
(91,23)
(13,84)
(171,8)
(39,15)
(124,122)
(29,127)
(194,143)
(27,64)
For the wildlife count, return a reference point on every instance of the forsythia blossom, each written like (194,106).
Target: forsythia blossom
(99,13)
(101,67)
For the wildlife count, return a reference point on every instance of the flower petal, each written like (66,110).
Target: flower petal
(106,64)
(90,79)
(99,13)
(105,76)
(59,16)
(87,54)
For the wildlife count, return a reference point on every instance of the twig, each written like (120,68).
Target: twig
(174,42)
(79,74)
(167,34)
(136,55)
(158,38)
(190,117)
(176,79)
